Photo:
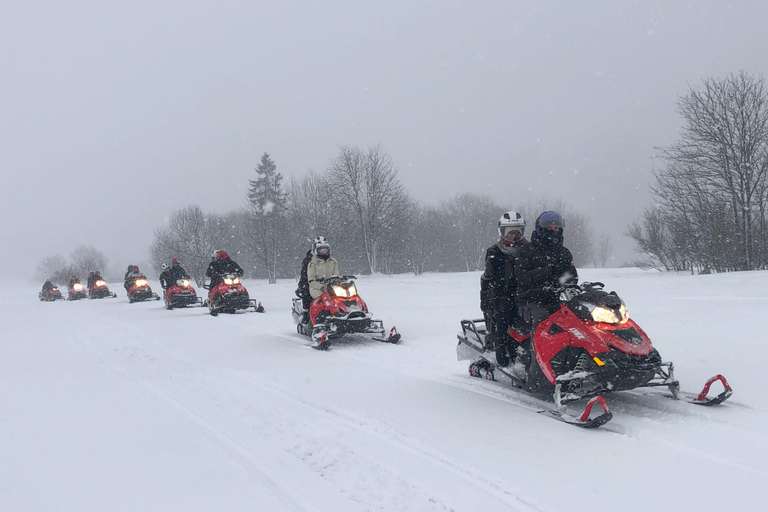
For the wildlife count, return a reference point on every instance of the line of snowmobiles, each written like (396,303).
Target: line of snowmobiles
(337,311)
(587,348)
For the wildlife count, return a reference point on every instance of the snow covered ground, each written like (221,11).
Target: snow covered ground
(106,405)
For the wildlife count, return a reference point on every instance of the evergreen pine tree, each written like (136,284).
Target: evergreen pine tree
(267,201)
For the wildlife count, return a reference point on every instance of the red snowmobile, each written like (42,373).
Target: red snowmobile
(99,290)
(588,347)
(50,295)
(230,296)
(337,311)
(140,291)
(181,294)
(76,292)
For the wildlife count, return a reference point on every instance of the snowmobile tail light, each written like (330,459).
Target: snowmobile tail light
(141,282)
(598,361)
(100,283)
(340,291)
(78,286)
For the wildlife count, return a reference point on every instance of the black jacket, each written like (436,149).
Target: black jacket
(175,273)
(303,289)
(219,268)
(498,284)
(48,286)
(539,265)
(165,278)
(72,282)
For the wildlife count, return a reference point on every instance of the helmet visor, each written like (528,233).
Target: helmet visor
(512,232)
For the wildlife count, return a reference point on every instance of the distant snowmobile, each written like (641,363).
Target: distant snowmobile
(50,295)
(586,348)
(230,296)
(76,292)
(338,310)
(99,290)
(140,291)
(181,294)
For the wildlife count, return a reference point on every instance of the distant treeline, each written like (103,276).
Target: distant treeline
(360,205)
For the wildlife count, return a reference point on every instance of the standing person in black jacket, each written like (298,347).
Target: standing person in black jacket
(302,291)
(541,265)
(221,265)
(498,285)
(165,276)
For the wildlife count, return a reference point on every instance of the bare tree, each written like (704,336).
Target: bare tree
(50,266)
(471,222)
(191,236)
(87,259)
(370,192)
(712,192)
(604,249)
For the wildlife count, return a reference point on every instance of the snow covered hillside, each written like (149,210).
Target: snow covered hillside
(106,405)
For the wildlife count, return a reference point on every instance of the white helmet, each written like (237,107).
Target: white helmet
(513,220)
(321,244)
(164,266)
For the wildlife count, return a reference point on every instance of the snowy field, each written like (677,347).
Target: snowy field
(110,406)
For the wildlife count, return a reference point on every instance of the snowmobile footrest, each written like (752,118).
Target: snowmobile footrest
(702,399)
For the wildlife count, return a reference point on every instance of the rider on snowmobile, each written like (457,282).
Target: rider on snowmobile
(131,276)
(321,266)
(221,265)
(93,276)
(498,284)
(48,285)
(73,281)
(176,271)
(542,265)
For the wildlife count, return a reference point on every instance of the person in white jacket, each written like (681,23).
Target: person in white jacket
(321,266)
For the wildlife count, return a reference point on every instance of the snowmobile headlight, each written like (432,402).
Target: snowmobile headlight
(78,286)
(340,291)
(231,280)
(605,315)
(141,282)
(183,282)
(100,283)
(352,291)
(236,280)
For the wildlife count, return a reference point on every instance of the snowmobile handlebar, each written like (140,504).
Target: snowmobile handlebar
(333,278)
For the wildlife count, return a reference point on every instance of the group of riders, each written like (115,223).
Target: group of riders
(517,288)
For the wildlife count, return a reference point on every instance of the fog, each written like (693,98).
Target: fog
(112,115)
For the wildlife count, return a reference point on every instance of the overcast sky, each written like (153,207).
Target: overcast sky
(113,114)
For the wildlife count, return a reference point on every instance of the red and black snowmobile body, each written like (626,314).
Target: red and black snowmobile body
(99,290)
(76,292)
(140,291)
(181,294)
(230,296)
(588,347)
(337,311)
(50,295)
